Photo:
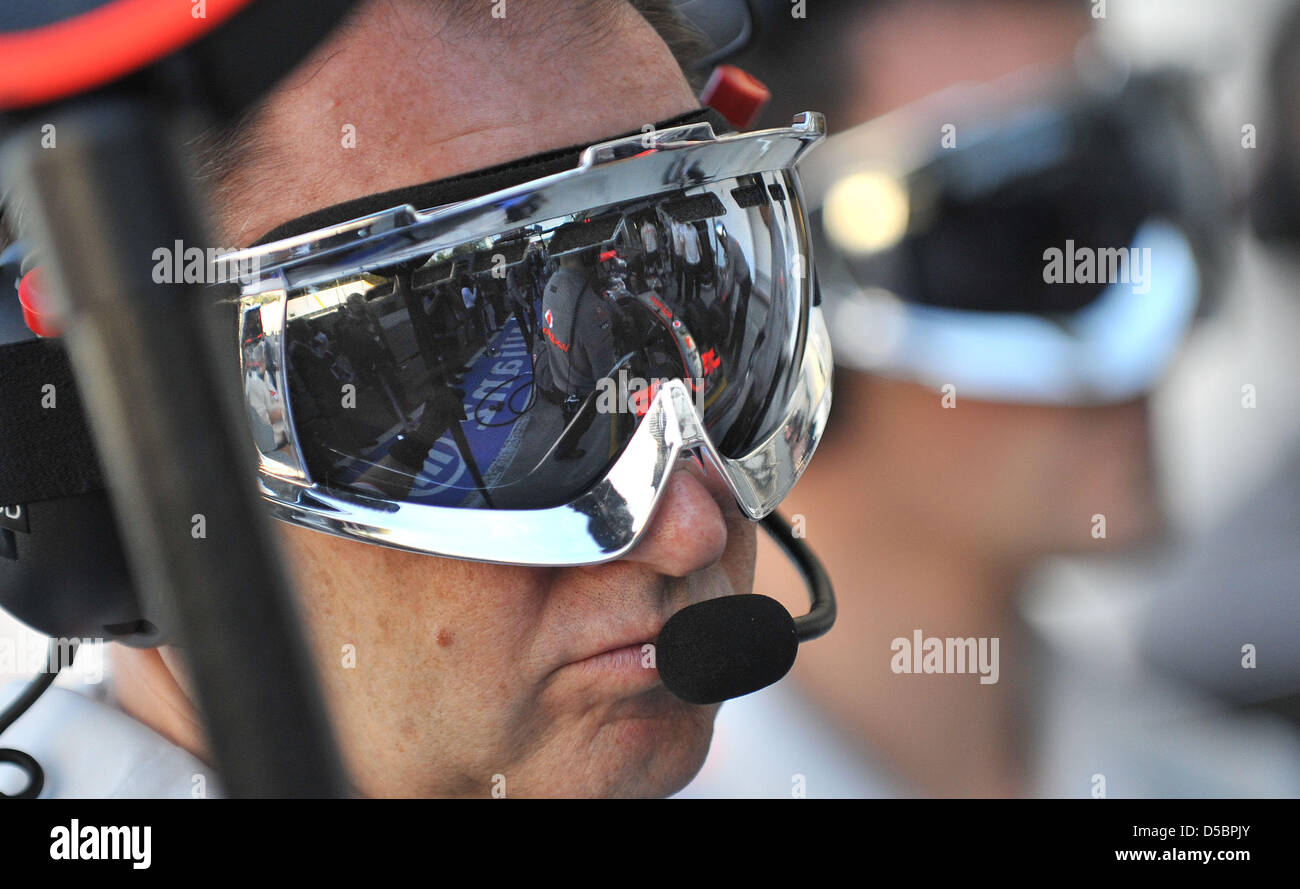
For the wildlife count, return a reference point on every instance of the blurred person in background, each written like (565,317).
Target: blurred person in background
(1235,585)
(990,411)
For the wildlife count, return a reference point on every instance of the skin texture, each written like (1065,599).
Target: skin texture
(929,517)
(460,669)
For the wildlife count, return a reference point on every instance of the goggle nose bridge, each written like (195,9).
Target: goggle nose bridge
(684,434)
(688,429)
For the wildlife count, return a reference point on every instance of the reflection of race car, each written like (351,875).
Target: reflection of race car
(670,348)
(684,343)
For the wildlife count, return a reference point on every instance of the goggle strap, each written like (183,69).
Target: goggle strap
(453,189)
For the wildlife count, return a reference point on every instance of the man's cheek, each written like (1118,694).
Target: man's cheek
(739,558)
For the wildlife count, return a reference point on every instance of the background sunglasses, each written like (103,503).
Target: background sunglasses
(934,225)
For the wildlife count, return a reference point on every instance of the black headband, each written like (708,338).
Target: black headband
(469,185)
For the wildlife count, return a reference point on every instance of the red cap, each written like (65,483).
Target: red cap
(736,95)
(32,294)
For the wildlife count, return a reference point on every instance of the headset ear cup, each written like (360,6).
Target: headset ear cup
(63,572)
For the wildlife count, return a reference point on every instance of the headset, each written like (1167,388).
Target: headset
(63,564)
(63,569)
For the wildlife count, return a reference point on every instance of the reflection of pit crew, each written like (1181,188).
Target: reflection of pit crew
(492,291)
(687,256)
(362,341)
(521,287)
(317,362)
(651,259)
(443,313)
(576,348)
(476,307)
(266,416)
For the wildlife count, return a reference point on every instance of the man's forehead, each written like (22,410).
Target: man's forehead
(369,113)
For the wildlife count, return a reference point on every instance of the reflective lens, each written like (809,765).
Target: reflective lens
(511,372)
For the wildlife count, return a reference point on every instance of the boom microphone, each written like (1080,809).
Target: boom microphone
(732,646)
(725,648)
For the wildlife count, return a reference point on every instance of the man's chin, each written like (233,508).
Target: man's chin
(648,746)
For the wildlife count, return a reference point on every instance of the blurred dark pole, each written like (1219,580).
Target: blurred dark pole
(155,363)
(156,366)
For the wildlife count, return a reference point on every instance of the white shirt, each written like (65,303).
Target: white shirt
(91,749)
(1147,738)
(259,395)
(690,243)
(649,237)
(771,743)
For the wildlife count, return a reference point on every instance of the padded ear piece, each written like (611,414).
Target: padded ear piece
(63,571)
(62,567)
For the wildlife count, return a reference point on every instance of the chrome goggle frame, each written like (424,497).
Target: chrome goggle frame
(606,522)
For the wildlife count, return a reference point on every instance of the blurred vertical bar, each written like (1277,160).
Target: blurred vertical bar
(158,374)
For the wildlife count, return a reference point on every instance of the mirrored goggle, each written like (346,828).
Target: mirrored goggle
(513,377)
(1035,240)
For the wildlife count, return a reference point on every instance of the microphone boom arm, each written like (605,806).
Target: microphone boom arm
(821,612)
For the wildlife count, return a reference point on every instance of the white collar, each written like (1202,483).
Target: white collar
(773,742)
(91,749)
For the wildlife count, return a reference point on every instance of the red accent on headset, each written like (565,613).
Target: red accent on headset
(32,295)
(736,95)
(89,50)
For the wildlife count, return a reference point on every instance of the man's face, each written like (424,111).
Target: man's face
(449,677)
(1010,481)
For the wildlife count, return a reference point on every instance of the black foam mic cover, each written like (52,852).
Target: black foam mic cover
(724,648)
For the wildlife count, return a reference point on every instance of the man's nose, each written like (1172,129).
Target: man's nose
(689,530)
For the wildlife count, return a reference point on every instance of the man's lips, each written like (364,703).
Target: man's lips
(616,649)
(632,640)
(624,657)
(625,668)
